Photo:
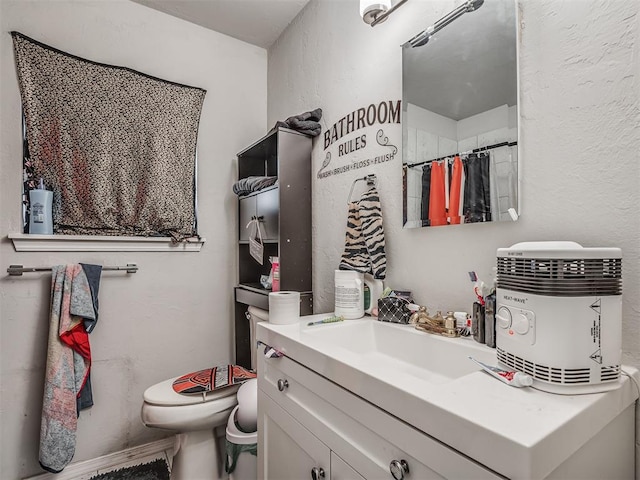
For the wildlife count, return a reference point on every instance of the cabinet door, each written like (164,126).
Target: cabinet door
(247,208)
(286,449)
(267,209)
(264,206)
(367,438)
(341,470)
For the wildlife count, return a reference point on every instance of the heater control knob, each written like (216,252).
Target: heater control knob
(503,317)
(521,324)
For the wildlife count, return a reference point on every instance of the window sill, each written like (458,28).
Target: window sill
(23,242)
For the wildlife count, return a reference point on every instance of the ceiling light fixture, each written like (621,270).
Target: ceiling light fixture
(374,12)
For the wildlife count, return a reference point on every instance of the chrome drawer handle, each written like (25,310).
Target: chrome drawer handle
(317,473)
(398,469)
(283,384)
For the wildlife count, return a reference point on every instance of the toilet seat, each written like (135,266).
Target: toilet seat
(164,408)
(163,394)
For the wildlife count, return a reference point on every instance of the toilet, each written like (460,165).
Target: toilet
(255,315)
(194,419)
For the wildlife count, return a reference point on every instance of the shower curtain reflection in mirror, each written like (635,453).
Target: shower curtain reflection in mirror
(467,188)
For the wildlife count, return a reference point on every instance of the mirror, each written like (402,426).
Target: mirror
(460,120)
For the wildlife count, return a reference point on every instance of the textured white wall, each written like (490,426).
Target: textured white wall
(174,315)
(579,139)
(579,64)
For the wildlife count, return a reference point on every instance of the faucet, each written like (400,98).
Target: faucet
(437,324)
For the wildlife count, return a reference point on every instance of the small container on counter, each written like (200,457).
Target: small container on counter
(490,320)
(477,322)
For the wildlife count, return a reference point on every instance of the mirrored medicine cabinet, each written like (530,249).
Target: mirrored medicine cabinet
(460,120)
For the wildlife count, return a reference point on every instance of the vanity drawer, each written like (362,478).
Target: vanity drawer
(367,438)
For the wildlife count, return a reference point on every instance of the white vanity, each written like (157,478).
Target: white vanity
(366,399)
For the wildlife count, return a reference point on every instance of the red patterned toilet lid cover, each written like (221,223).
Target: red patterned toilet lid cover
(211,379)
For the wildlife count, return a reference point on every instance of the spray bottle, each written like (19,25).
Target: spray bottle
(40,220)
(275,274)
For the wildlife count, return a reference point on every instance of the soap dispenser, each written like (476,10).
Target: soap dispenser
(40,219)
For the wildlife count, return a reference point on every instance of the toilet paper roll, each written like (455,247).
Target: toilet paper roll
(284,307)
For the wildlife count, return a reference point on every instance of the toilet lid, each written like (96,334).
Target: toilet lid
(210,379)
(163,394)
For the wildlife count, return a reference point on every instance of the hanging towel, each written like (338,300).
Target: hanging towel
(437,209)
(454,191)
(504,181)
(68,361)
(93,273)
(355,255)
(364,249)
(477,201)
(425,194)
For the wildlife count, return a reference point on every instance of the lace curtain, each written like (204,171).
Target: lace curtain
(116,146)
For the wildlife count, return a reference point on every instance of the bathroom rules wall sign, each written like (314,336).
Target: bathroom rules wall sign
(349,138)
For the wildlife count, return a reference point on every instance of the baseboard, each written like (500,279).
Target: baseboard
(90,467)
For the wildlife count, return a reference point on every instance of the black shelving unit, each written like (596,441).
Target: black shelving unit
(285,213)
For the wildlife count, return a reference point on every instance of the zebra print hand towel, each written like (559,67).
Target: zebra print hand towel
(364,243)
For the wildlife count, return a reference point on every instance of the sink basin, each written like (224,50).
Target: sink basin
(382,345)
(428,382)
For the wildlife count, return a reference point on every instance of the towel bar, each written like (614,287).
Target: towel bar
(17,270)
(371,179)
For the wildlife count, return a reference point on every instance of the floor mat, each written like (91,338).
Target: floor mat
(156,470)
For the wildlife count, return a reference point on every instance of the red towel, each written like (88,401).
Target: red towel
(454,191)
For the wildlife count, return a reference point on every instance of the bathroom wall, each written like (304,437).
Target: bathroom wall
(174,315)
(579,115)
(579,65)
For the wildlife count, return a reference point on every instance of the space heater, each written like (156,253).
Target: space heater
(559,315)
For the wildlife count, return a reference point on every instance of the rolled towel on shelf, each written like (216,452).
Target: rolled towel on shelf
(306,122)
(247,185)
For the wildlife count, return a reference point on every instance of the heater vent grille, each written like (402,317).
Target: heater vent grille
(561,277)
(610,373)
(562,376)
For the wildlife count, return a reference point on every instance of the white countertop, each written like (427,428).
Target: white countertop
(518,432)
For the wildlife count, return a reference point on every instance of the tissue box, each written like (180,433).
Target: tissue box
(394,309)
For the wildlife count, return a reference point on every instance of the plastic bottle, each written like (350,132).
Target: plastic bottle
(349,294)
(40,220)
(375,288)
(275,272)
(367,297)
